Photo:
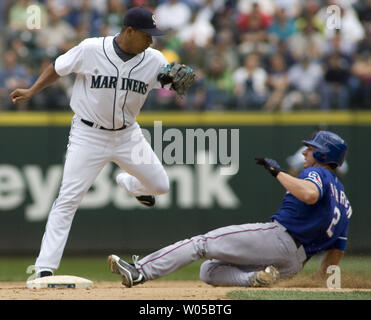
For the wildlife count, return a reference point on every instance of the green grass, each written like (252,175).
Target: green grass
(249,294)
(96,269)
(14,268)
(358,264)
(93,268)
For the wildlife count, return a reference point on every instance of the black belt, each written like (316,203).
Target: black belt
(91,124)
(297,242)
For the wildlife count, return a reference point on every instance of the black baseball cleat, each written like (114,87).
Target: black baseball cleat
(148,201)
(130,275)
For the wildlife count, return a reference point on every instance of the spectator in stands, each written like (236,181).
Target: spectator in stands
(57,37)
(170,54)
(60,8)
(172,14)
(362,70)
(351,29)
(309,16)
(52,98)
(224,18)
(208,8)
(339,45)
(365,45)
(85,15)
(278,83)
(192,55)
(283,49)
(113,17)
(219,85)
(252,30)
(293,8)
(267,7)
(254,21)
(224,46)
(364,12)
(305,78)
(240,28)
(12,76)
(282,27)
(22,51)
(309,38)
(2,15)
(250,84)
(198,30)
(334,88)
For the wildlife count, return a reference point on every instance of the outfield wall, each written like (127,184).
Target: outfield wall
(31,166)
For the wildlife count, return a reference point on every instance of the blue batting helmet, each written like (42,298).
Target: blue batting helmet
(329,148)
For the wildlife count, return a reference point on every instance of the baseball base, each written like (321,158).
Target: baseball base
(60,282)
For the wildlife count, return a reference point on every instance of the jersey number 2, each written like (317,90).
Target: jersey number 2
(334,221)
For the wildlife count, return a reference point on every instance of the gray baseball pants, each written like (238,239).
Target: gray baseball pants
(234,253)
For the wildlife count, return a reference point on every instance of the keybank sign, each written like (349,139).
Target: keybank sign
(36,188)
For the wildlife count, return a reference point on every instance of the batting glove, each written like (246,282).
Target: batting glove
(271,165)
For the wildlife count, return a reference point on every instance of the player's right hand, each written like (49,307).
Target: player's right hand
(21,95)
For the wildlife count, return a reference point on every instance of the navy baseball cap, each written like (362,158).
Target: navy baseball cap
(143,20)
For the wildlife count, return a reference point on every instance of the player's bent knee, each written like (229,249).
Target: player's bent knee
(162,189)
(205,272)
(162,186)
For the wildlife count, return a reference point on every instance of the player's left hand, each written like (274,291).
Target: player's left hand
(271,165)
(179,75)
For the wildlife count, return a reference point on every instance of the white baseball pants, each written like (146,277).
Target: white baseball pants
(88,150)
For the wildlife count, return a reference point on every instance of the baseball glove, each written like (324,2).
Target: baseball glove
(179,75)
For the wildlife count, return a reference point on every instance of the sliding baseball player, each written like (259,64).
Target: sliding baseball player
(313,217)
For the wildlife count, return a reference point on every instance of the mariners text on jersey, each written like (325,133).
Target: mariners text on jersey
(110,82)
(108,90)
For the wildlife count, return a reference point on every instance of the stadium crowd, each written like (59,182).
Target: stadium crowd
(271,55)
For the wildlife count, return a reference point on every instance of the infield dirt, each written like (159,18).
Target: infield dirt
(156,290)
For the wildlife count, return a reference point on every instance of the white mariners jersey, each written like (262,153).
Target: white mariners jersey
(107,90)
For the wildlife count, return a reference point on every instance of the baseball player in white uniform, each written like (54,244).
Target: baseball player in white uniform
(114,75)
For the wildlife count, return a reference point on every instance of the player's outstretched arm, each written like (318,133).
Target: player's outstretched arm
(46,78)
(301,189)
